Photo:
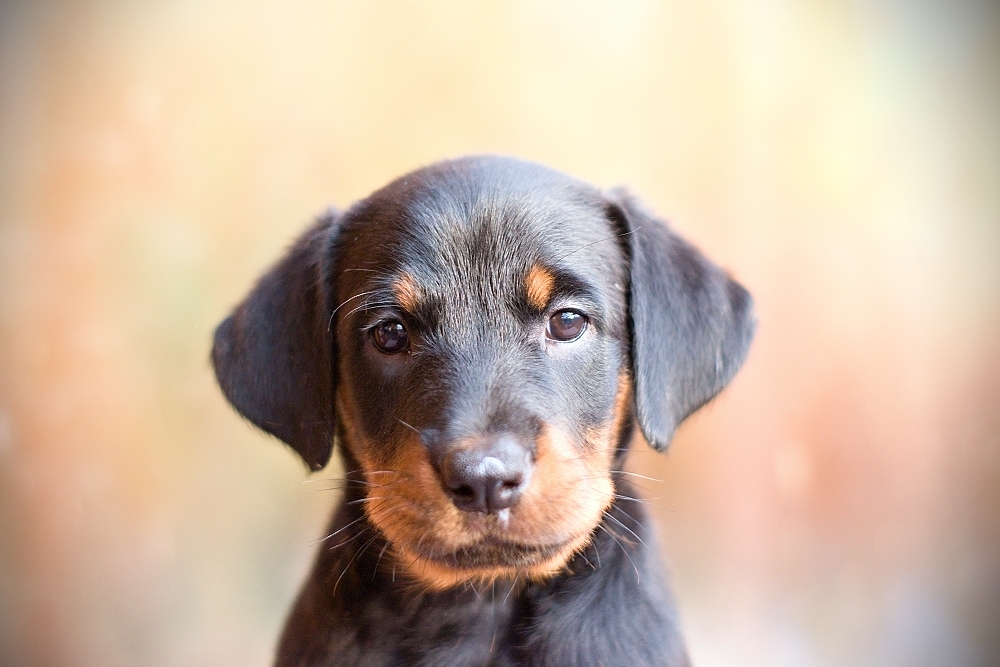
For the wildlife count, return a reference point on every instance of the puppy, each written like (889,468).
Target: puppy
(483,337)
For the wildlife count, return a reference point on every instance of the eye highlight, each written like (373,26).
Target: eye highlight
(391,337)
(566,325)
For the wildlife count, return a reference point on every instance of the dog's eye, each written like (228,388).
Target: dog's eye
(566,325)
(391,337)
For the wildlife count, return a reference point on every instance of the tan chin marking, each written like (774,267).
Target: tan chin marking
(539,285)
(571,489)
(437,576)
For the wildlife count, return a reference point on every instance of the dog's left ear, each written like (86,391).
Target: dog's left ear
(274,355)
(691,324)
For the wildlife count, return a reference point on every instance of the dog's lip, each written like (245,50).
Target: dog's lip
(492,551)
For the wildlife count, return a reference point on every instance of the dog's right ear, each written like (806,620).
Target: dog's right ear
(274,356)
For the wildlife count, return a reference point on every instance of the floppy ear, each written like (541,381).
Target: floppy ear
(691,324)
(274,355)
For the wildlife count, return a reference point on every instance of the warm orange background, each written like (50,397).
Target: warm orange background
(837,506)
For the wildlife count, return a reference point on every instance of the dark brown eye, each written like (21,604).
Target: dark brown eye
(566,325)
(391,337)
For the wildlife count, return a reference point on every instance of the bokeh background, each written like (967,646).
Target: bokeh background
(838,505)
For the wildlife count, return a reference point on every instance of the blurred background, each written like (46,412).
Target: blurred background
(838,505)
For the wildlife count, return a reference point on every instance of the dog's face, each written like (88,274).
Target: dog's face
(483,324)
(483,335)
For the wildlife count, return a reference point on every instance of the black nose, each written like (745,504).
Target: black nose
(488,477)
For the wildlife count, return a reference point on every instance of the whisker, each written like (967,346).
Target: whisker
(608,514)
(587,245)
(512,586)
(351,484)
(348,566)
(635,474)
(387,500)
(350,539)
(380,554)
(339,530)
(619,509)
(643,501)
(621,538)
(624,551)
(368,305)
(366,499)
(329,324)
(412,428)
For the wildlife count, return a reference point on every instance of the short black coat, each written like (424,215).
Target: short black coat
(295,358)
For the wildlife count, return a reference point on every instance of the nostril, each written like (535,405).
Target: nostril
(465,493)
(512,483)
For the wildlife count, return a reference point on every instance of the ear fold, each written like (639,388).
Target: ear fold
(691,323)
(274,355)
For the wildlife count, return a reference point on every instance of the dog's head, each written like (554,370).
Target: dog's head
(483,335)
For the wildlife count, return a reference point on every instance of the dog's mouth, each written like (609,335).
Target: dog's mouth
(492,552)
(441,545)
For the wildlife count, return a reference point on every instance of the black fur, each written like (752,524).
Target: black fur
(273,356)
(610,608)
(691,324)
(468,231)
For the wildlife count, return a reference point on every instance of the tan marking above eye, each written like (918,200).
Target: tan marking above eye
(407,292)
(539,283)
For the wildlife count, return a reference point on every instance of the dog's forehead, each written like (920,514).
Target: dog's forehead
(487,223)
(498,235)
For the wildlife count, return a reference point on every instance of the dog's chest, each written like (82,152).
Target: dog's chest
(604,618)
(471,629)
